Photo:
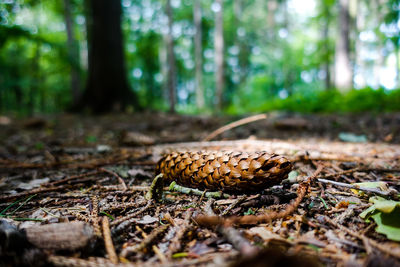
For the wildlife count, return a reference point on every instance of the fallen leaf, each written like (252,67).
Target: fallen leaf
(386,214)
(353,138)
(147,219)
(388,224)
(33,183)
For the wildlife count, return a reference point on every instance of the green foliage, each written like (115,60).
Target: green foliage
(281,65)
(315,101)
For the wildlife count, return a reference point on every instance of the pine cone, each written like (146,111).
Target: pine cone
(227,171)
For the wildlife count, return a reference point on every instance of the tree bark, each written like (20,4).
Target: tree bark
(73,53)
(219,55)
(198,52)
(343,69)
(107,87)
(171,77)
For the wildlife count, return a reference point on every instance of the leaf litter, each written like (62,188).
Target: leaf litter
(349,213)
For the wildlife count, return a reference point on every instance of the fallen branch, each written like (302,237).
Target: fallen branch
(235,124)
(265,218)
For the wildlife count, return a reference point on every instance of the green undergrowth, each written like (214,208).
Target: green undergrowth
(313,101)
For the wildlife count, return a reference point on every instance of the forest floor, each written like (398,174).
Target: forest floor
(77,190)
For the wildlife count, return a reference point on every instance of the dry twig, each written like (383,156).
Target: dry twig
(112,255)
(234,125)
(253,219)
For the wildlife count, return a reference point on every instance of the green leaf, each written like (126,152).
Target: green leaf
(366,213)
(383,204)
(386,214)
(388,224)
(250,211)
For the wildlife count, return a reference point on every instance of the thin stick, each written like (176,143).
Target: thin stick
(357,187)
(159,254)
(146,242)
(95,216)
(133,215)
(235,124)
(232,235)
(121,181)
(112,255)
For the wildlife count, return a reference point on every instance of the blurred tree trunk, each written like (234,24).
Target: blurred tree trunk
(343,69)
(272,5)
(240,42)
(171,77)
(198,53)
(327,64)
(219,55)
(359,68)
(164,68)
(34,84)
(73,53)
(107,87)
(326,44)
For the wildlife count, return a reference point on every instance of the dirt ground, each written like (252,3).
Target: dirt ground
(77,190)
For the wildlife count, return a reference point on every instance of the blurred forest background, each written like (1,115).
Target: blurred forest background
(195,56)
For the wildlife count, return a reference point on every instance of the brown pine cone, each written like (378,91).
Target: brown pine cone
(227,171)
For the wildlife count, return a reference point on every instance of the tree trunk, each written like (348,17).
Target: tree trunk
(198,52)
(240,42)
(34,84)
(107,87)
(326,50)
(171,77)
(272,5)
(73,53)
(219,55)
(343,69)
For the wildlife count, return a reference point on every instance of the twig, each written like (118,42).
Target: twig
(265,218)
(130,216)
(235,124)
(234,204)
(363,238)
(36,191)
(112,255)
(76,262)
(147,241)
(176,243)
(231,234)
(357,187)
(121,181)
(68,179)
(95,216)
(192,191)
(159,254)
